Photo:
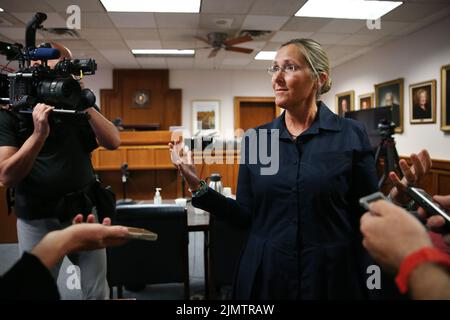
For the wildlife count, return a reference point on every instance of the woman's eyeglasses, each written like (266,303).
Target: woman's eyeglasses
(289,69)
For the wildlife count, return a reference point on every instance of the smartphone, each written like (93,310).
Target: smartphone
(424,200)
(364,201)
(141,234)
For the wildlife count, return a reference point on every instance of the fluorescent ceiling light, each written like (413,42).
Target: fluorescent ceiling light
(152,5)
(162,53)
(266,55)
(347,9)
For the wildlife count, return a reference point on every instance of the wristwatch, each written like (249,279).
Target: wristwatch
(200,190)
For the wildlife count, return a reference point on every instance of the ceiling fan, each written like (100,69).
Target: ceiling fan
(218,40)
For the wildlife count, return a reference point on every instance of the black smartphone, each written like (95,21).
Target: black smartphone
(424,200)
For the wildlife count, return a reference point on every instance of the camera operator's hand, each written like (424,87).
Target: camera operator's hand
(40,120)
(421,164)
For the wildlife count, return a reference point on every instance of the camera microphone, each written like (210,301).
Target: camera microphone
(44,54)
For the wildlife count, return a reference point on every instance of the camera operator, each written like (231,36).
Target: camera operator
(400,242)
(49,166)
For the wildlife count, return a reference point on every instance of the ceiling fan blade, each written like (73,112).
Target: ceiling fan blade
(213,52)
(234,41)
(239,49)
(202,39)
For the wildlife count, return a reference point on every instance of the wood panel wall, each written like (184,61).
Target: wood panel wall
(164,106)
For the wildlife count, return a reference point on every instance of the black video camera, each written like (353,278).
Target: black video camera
(30,85)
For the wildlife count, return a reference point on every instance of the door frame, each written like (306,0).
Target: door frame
(239,100)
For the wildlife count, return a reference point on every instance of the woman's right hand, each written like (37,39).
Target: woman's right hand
(185,164)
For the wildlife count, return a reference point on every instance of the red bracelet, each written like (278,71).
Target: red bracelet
(412,261)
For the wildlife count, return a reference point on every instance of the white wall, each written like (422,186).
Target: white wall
(416,58)
(221,85)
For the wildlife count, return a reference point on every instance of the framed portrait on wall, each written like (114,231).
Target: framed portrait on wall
(445,98)
(422,102)
(366,101)
(390,94)
(345,101)
(205,116)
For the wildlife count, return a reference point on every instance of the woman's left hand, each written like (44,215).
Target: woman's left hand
(421,164)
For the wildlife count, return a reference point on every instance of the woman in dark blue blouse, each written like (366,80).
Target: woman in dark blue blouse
(301,205)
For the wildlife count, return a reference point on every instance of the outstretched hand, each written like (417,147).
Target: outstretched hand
(421,164)
(184,162)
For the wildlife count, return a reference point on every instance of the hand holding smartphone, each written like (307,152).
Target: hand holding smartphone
(424,200)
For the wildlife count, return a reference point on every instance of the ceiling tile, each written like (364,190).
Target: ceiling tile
(31,6)
(179,44)
(100,34)
(95,20)
(120,58)
(139,34)
(177,34)
(264,22)
(284,36)
(133,19)
(144,44)
(344,26)
(361,40)
(226,6)
(411,12)
(305,24)
(17,34)
(328,38)
(109,44)
(85,5)
(215,22)
(177,20)
(274,7)
(54,19)
(8,20)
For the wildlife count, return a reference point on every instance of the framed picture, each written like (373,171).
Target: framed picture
(366,101)
(390,94)
(422,102)
(345,101)
(445,98)
(205,116)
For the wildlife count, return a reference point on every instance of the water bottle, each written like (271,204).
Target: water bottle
(215,183)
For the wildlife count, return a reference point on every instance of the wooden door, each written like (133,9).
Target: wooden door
(250,112)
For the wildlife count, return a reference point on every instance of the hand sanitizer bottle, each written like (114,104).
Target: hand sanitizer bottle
(157,199)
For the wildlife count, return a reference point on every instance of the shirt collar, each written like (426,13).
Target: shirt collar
(325,120)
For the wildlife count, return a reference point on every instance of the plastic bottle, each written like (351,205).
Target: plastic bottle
(157,199)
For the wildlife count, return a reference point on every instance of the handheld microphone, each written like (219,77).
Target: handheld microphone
(44,54)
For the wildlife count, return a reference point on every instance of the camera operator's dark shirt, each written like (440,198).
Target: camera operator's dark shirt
(62,166)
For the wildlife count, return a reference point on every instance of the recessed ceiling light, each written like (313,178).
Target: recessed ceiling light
(1,10)
(158,53)
(347,9)
(187,6)
(266,55)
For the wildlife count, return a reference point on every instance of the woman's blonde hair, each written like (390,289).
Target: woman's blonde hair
(316,58)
